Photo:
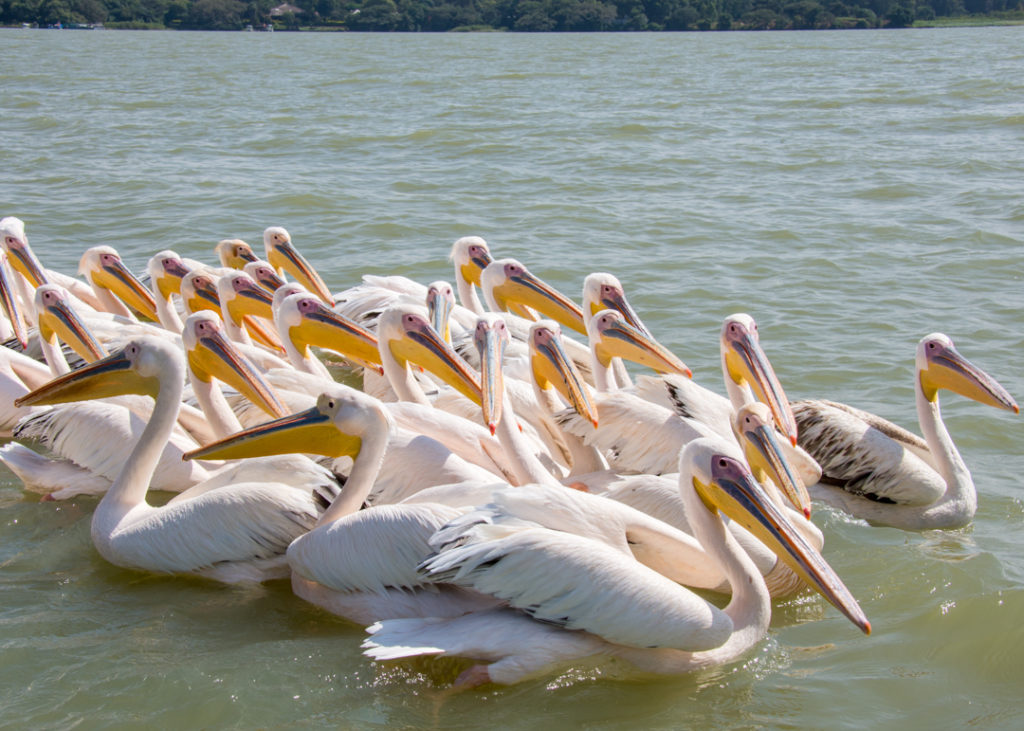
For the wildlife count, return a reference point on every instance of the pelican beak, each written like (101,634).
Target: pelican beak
(308,432)
(285,256)
(57,319)
(765,456)
(626,341)
(552,367)
(439,309)
(325,328)
(423,346)
(24,261)
(473,268)
(215,357)
(249,299)
(205,295)
(492,349)
(169,282)
(524,289)
(735,492)
(116,277)
(747,363)
(10,305)
(110,376)
(950,370)
(615,299)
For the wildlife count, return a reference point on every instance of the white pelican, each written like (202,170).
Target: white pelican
(166,270)
(617,607)
(119,291)
(470,255)
(264,274)
(630,418)
(234,253)
(878,471)
(30,272)
(508,286)
(14,326)
(238,532)
(359,564)
(89,440)
(604,291)
(246,308)
(284,257)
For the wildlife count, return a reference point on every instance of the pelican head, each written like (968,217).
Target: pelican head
(470,256)
(747,365)
(440,303)
(509,286)
(715,471)
(307,321)
(57,319)
(15,243)
(553,368)
(263,273)
(603,291)
(335,427)
(754,427)
(234,253)
(211,355)
(137,368)
(611,335)
(240,295)
(166,270)
(103,267)
(407,335)
(940,365)
(10,303)
(199,291)
(282,255)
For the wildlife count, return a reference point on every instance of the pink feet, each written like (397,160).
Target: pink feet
(473,677)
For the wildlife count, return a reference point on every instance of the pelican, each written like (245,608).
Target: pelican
(630,418)
(509,286)
(238,532)
(234,253)
(878,471)
(604,291)
(264,274)
(617,607)
(246,308)
(30,271)
(166,270)
(89,440)
(119,291)
(359,564)
(284,257)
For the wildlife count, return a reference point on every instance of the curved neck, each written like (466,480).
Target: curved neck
(401,378)
(129,489)
(167,314)
(215,407)
(525,465)
(739,396)
(234,330)
(54,356)
(585,458)
(951,467)
(467,294)
(365,468)
(304,362)
(111,303)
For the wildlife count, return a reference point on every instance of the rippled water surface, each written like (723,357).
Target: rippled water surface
(853,191)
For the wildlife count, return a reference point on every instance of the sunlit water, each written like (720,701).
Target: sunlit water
(853,191)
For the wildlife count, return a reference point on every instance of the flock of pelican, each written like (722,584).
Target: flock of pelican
(491,488)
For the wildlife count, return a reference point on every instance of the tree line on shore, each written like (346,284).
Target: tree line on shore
(510,15)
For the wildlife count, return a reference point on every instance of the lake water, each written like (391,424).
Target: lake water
(853,191)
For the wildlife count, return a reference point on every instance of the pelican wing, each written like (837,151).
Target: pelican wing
(634,434)
(371,550)
(861,458)
(236,524)
(579,584)
(689,399)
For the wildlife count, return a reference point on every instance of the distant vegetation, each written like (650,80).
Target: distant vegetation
(507,15)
